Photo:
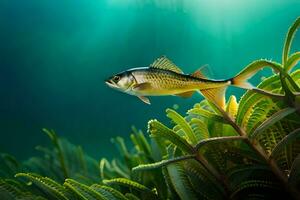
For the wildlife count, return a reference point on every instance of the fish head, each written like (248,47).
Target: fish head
(122,81)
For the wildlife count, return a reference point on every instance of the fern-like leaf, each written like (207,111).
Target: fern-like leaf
(82,191)
(52,135)
(218,140)
(180,182)
(288,42)
(201,112)
(180,121)
(128,183)
(108,192)
(10,191)
(292,61)
(263,189)
(157,129)
(47,185)
(131,196)
(162,163)
(287,140)
(272,120)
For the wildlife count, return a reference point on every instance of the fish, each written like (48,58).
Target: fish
(163,77)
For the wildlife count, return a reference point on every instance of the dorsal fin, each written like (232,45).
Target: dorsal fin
(164,63)
(200,73)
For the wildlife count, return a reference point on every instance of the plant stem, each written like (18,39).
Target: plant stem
(223,180)
(213,139)
(269,94)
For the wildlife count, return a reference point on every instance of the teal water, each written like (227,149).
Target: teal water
(56,54)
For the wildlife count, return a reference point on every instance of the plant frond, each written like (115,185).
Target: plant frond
(287,140)
(199,128)
(52,135)
(180,182)
(128,183)
(218,140)
(204,184)
(288,42)
(162,163)
(292,61)
(272,120)
(83,191)
(157,129)
(142,141)
(201,112)
(47,185)
(108,192)
(180,121)
(10,191)
(131,196)
(264,189)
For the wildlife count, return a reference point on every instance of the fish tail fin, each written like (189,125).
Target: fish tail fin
(216,95)
(241,81)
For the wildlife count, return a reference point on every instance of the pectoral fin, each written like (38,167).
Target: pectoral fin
(142,86)
(185,94)
(216,95)
(144,99)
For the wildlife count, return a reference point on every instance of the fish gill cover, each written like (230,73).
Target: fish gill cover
(249,151)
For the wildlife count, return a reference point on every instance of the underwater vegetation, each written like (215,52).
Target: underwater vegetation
(249,151)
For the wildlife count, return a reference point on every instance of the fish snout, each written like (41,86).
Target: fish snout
(110,83)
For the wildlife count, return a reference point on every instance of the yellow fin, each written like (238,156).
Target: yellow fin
(216,95)
(164,63)
(199,73)
(144,99)
(185,94)
(241,80)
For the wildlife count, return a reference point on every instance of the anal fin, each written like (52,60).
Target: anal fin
(185,94)
(144,99)
(216,95)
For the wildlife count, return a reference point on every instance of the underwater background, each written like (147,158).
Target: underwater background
(56,54)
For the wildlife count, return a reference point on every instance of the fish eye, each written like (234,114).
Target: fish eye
(116,78)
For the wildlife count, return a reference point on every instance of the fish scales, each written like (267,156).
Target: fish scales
(164,79)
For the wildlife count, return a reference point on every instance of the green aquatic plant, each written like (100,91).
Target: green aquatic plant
(249,151)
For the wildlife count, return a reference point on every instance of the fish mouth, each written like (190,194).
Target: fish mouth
(111,84)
